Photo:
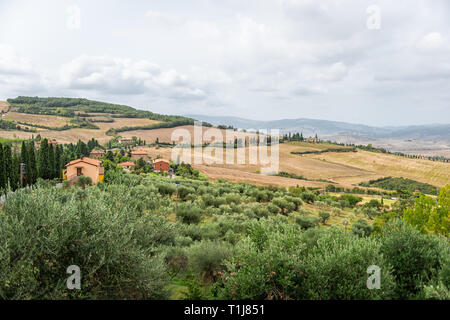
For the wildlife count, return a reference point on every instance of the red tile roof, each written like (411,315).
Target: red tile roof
(98,151)
(127,163)
(140,152)
(90,161)
(160,160)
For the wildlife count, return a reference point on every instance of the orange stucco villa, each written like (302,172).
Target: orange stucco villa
(84,167)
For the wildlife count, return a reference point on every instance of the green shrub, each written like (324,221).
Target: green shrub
(274,209)
(351,199)
(304,211)
(284,205)
(233,198)
(296,201)
(166,189)
(183,191)
(324,216)
(264,266)
(280,262)
(45,230)
(208,199)
(336,268)
(373,203)
(188,213)
(308,197)
(361,228)
(370,212)
(416,258)
(307,222)
(191,197)
(176,260)
(205,257)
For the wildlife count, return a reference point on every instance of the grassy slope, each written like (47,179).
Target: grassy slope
(347,169)
(434,173)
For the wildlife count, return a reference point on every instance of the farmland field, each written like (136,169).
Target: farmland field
(333,167)
(432,172)
(124,122)
(37,119)
(165,134)
(346,169)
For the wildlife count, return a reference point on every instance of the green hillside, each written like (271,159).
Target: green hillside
(70,107)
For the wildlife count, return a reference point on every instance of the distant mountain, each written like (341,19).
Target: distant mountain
(330,128)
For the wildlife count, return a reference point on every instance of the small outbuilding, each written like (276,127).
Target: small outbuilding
(127,165)
(138,154)
(126,141)
(161,165)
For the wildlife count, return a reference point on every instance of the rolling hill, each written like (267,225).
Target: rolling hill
(426,140)
(68,120)
(326,127)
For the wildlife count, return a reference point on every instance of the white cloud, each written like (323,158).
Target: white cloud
(432,41)
(12,63)
(125,76)
(159,18)
(17,73)
(308,58)
(303,90)
(336,72)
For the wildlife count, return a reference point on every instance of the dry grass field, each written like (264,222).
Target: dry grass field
(37,119)
(297,146)
(432,172)
(236,172)
(72,135)
(124,122)
(301,165)
(68,136)
(166,134)
(16,134)
(346,169)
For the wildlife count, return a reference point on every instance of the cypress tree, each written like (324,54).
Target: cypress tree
(15,171)
(51,161)
(32,169)
(8,164)
(24,159)
(2,171)
(64,159)
(44,162)
(23,153)
(90,144)
(81,149)
(57,162)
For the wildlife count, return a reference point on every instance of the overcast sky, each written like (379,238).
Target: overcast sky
(257,59)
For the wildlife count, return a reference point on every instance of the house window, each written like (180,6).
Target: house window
(79,171)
